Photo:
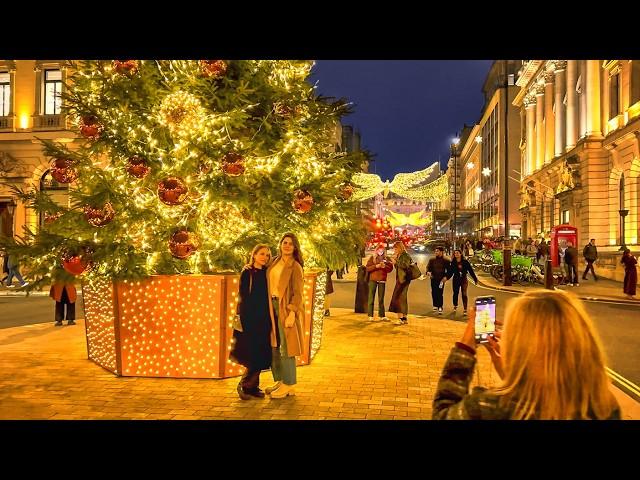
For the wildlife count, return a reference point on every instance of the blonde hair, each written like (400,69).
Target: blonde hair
(255,250)
(554,363)
(401,245)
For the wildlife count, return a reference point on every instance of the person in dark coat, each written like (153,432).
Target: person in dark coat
(64,294)
(630,273)
(328,291)
(571,263)
(399,303)
(590,254)
(437,270)
(458,270)
(252,333)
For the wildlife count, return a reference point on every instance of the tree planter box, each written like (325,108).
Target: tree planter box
(178,326)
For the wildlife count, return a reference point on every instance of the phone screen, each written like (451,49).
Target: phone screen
(485,318)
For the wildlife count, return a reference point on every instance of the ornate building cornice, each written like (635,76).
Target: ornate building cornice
(526,73)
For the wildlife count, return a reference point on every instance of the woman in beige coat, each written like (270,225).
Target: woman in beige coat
(286,308)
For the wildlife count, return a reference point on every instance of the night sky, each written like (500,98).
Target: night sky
(407,111)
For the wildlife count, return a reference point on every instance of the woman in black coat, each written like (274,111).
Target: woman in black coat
(252,330)
(458,269)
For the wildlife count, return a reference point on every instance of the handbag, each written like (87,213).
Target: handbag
(414,271)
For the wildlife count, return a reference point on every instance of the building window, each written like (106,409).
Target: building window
(565,217)
(52,89)
(635,81)
(5,94)
(614,96)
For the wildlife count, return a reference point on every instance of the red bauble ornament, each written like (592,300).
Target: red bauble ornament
(62,170)
(302,201)
(125,67)
(233,164)
(172,191)
(77,264)
(99,217)
(138,167)
(183,244)
(213,68)
(91,127)
(346,192)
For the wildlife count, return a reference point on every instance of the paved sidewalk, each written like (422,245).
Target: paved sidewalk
(362,371)
(604,289)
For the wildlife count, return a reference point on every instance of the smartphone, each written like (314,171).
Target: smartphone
(485,318)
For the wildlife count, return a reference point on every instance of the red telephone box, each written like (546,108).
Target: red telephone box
(559,235)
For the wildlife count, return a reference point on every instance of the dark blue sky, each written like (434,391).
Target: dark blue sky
(407,111)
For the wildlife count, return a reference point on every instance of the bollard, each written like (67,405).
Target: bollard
(548,275)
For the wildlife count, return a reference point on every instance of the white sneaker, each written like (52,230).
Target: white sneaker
(464,314)
(384,319)
(272,388)
(435,309)
(440,311)
(370,319)
(455,307)
(24,284)
(576,285)
(569,284)
(282,391)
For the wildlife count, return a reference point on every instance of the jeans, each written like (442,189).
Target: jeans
(372,293)
(436,292)
(283,367)
(457,285)
(589,267)
(572,273)
(14,272)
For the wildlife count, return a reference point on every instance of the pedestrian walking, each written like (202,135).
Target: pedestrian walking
(437,271)
(378,266)
(399,303)
(5,267)
(630,274)
(590,254)
(65,294)
(550,361)
(13,267)
(286,281)
(459,268)
(252,332)
(571,263)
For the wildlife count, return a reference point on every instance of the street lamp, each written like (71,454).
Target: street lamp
(506,253)
(454,153)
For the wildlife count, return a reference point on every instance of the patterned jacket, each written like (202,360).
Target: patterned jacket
(453,400)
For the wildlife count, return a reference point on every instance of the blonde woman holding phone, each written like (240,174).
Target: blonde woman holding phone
(550,360)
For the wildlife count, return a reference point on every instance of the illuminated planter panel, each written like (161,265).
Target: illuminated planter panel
(178,326)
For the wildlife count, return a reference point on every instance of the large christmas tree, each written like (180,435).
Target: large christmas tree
(186,165)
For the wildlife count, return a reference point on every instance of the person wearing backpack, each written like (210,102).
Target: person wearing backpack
(458,270)
(399,303)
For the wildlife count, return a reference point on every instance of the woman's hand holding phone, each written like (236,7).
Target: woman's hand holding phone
(493,344)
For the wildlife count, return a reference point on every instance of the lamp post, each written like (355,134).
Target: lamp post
(623,213)
(506,253)
(454,153)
